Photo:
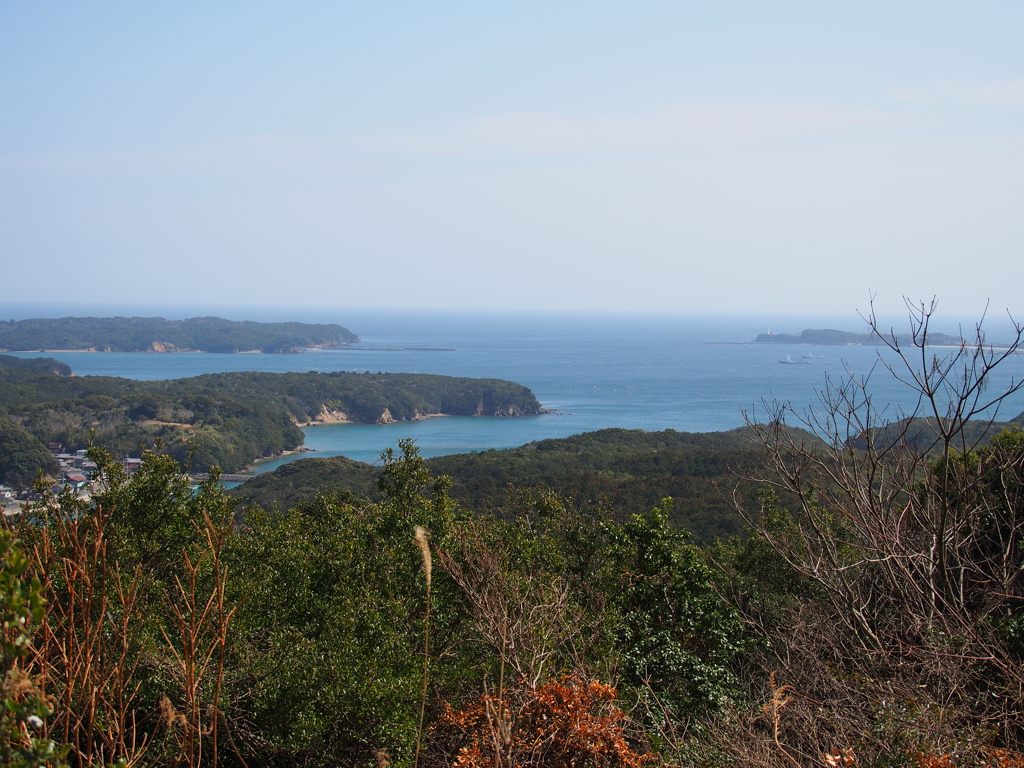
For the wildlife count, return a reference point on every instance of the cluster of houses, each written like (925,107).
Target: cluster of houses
(74,469)
(76,472)
(8,500)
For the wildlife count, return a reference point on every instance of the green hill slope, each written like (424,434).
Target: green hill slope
(22,455)
(36,364)
(622,471)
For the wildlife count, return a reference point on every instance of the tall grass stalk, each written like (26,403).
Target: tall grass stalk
(421,542)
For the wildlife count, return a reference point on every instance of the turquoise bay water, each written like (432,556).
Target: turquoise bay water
(592,372)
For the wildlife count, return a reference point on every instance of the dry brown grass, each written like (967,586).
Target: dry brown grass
(87,649)
(90,648)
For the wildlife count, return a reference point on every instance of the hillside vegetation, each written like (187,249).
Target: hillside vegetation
(925,434)
(22,455)
(155,334)
(616,470)
(36,364)
(608,643)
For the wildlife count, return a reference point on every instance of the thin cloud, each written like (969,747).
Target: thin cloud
(960,93)
(230,152)
(526,134)
(1009,93)
(673,128)
(669,129)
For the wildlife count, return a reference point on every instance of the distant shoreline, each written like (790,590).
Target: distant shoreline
(336,420)
(848,344)
(207,352)
(113,352)
(314,424)
(264,459)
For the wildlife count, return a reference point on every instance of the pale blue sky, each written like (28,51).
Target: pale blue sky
(666,157)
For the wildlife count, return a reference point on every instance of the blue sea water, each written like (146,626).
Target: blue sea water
(591,372)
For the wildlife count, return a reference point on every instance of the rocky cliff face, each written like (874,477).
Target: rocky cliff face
(327,416)
(487,409)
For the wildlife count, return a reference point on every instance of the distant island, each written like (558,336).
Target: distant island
(831,337)
(155,334)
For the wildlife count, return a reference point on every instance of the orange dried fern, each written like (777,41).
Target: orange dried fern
(562,724)
(990,757)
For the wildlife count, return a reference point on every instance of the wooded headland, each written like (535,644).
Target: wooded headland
(232,419)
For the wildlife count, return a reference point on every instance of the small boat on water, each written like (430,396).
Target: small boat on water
(813,357)
(790,361)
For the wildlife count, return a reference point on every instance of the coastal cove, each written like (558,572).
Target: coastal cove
(590,372)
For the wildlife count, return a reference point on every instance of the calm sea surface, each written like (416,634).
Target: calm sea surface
(649,373)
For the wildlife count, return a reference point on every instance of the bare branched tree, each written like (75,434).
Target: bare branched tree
(912,528)
(526,619)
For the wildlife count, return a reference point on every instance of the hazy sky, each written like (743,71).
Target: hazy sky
(630,156)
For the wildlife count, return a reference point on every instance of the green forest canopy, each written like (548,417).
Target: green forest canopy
(22,455)
(617,470)
(36,364)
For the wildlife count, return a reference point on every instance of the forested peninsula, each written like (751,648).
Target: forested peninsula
(232,419)
(155,334)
